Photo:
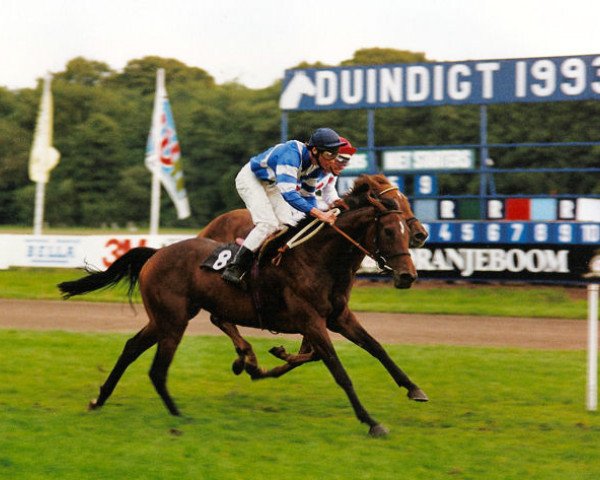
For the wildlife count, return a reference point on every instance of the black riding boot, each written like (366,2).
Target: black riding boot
(239,266)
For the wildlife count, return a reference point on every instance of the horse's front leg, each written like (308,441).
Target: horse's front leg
(319,339)
(347,325)
(246,357)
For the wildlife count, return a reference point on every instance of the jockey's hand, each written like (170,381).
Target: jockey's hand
(339,203)
(327,217)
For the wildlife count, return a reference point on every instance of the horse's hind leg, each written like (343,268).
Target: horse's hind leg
(305,354)
(134,347)
(160,366)
(246,357)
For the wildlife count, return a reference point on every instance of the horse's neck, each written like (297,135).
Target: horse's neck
(337,251)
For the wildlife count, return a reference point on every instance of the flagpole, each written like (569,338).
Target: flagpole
(38,216)
(155,201)
(155,132)
(43,156)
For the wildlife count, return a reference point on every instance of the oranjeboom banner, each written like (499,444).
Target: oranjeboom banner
(547,263)
(504,262)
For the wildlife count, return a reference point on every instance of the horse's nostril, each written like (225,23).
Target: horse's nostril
(406,278)
(421,236)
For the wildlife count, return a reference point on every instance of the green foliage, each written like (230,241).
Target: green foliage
(85,72)
(380,56)
(494,414)
(102,120)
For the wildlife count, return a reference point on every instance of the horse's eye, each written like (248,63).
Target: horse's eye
(389,232)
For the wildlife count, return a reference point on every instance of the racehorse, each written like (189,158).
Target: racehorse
(237,224)
(306,293)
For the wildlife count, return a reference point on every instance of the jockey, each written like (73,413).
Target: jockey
(268,185)
(326,186)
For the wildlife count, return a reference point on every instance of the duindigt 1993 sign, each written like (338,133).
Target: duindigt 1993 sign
(548,79)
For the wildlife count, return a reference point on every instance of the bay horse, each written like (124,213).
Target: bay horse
(237,224)
(306,293)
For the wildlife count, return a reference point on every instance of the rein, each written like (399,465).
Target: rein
(381,261)
(298,240)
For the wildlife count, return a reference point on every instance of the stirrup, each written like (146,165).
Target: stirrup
(237,278)
(233,274)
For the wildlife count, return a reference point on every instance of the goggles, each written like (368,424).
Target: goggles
(343,159)
(329,155)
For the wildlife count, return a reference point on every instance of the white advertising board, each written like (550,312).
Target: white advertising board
(74,251)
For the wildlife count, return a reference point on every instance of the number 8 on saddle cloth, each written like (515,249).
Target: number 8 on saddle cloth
(221,256)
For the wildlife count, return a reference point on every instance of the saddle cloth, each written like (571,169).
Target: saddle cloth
(221,257)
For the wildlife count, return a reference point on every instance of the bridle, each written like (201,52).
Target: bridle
(408,221)
(377,255)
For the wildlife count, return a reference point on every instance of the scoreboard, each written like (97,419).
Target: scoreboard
(508,243)
(484,236)
(553,233)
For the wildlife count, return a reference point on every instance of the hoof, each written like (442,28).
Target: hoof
(417,395)
(93,405)
(378,431)
(237,366)
(278,352)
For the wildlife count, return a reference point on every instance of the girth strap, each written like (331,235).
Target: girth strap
(254,291)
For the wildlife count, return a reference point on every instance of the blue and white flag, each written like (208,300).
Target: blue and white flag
(163,154)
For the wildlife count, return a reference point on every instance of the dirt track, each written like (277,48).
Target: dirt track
(387,328)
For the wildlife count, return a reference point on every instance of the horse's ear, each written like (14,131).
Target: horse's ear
(374,200)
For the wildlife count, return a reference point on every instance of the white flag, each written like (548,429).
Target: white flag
(163,155)
(43,157)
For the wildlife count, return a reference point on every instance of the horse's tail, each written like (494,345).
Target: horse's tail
(127,266)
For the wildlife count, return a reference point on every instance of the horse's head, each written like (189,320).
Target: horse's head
(388,235)
(382,185)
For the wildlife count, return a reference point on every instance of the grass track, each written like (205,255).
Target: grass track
(495,414)
(513,301)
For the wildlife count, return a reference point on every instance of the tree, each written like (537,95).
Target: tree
(85,72)
(382,56)
(102,120)
(140,74)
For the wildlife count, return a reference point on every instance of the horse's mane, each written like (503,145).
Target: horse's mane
(376,180)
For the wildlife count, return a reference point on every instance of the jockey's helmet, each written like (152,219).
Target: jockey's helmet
(325,139)
(348,149)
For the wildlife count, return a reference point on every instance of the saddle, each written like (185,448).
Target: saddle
(221,256)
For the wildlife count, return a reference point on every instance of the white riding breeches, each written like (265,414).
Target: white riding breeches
(268,209)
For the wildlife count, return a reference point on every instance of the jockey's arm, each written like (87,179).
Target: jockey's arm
(329,194)
(327,217)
